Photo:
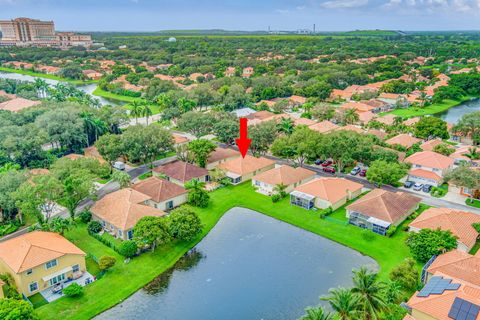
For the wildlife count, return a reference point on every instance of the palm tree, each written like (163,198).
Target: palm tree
(286,126)
(423,99)
(351,116)
(194,185)
(317,313)
(147,110)
(397,121)
(136,110)
(99,127)
(59,225)
(369,292)
(344,302)
(280,189)
(393,291)
(41,86)
(473,154)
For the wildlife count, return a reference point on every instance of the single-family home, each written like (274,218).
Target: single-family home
(388,119)
(404,140)
(365,117)
(220,155)
(381,209)
(324,126)
(119,211)
(38,260)
(283,175)
(325,192)
(247,72)
(358,106)
(243,112)
(18,104)
(430,144)
(377,133)
(180,172)
(164,195)
(428,167)
(297,100)
(242,169)
(92,74)
(378,105)
(230,72)
(304,122)
(458,222)
(179,140)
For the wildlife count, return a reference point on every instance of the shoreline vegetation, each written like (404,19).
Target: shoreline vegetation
(432,109)
(109,95)
(46,76)
(113,288)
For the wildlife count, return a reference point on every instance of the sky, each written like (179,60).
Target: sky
(249,15)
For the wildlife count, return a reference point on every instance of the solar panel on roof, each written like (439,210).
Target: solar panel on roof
(437,285)
(463,310)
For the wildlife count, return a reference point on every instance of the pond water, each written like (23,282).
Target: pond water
(454,114)
(250,266)
(87,88)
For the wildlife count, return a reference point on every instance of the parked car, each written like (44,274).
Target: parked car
(326,163)
(319,162)
(408,184)
(427,188)
(119,165)
(329,170)
(355,171)
(417,186)
(363,173)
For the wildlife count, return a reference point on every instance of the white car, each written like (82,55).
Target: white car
(119,165)
(417,186)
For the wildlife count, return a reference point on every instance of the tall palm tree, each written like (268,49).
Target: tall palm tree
(99,127)
(370,293)
(280,189)
(41,86)
(351,116)
(147,110)
(344,302)
(136,110)
(317,313)
(286,126)
(397,121)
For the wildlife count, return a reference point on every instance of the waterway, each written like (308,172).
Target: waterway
(454,114)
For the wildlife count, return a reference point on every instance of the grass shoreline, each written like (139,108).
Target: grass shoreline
(433,109)
(113,287)
(109,95)
(46,76)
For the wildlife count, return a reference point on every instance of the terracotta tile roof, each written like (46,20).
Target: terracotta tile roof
(245,165)
(389,96)
(324,126)
(411,121)
(458,222)
(430,159)
(3,93)
(260,115)
(359,106)
(92,152)
(158,189)
(221,154)
(73,156)
(387,119)
(404,140)
(179,139)
(430,144)
(304,122)
(385,205)
(366,117)
(297,99)
(375,103)
(408,317)
(18,104)
(284,175)
(35,248)
(458,265)
(330,189)
(425,174)
(123,208)
(350,127)
(181,171)
(378,133)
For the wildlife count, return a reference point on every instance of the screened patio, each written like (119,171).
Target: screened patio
(302,200)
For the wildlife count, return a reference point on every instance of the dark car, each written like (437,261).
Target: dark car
(427,188)
(329,170)
(408,184)
(319,162)
(326,163)
(363,173)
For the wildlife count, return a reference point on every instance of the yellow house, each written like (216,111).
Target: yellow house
(243,169)
(39,260)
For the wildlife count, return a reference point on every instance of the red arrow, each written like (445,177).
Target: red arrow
(243,142)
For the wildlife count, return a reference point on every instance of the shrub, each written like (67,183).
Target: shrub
(368,235)
(391,231)
(94,227)
(476,226)
(276,197)
(426,243)
(73,290)
(184,224)
(106,262)
(128,248)
(85,216)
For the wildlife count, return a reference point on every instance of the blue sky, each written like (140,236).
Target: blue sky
(328,15)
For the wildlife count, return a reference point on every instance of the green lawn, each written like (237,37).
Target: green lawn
(37,300)
(475,203)
(145,175)
(475,248)
(105,94)
(428,110)
(124,279)
(155,108)
(45,76)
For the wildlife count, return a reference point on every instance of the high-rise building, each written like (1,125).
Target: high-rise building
(31,32)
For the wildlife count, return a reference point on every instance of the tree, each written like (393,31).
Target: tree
(431,127)
(427,243)
(73,290)
(469,125)
(94,226)
(317,313)
(128,248)
(106,262)
(369,292)
(262,135)
(184,224)
(382,172)
(444,149)
(76,187)
(16,309)
(393,292)
(344,302)
(463,176)
(227,130)
(9,182)
(285,126)
(201,150)
(110,147)
(136,110)
(147,111)
(122,178)
(58,225)
(197,195)
(350,116)
(151,231)
(406,274)
(323,112)
(197,123)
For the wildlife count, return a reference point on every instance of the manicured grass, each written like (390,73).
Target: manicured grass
(475,248)
(37,300)
(105,94)
(145,175)
(155,108)
(45,76)
(428,110)
(92,266)
(475,203)
(124,279)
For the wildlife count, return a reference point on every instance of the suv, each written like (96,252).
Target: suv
(427,188)
(417,186)
(408,184)
(329,170)
(355,171)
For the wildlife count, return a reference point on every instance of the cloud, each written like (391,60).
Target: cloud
(344,4)
(435,5)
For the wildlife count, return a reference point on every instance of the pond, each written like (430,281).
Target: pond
(250,266)
(87,88)
(454,114)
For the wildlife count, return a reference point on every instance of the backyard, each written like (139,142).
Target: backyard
(124,279)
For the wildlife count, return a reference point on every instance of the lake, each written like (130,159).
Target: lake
(250,266)
(454,114)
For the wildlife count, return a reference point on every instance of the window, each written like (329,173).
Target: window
(257,183)
(29,271)
(33,286)
(207,178)
(57,279)
(51,264)
(130,234)
(169,205)
(120,233)
(75,268)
